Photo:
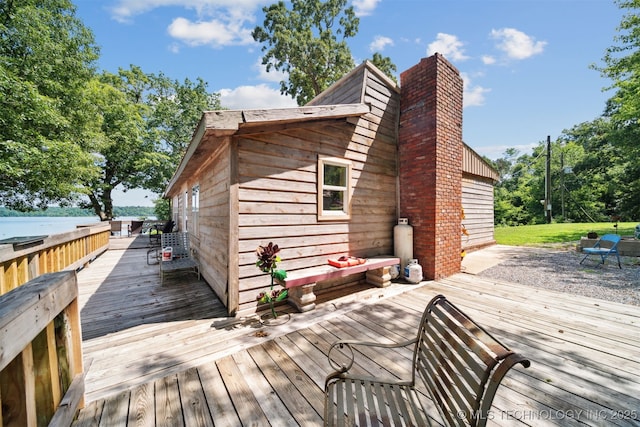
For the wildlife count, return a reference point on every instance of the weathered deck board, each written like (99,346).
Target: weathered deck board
(211,370)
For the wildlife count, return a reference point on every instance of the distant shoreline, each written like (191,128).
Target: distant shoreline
(56,212)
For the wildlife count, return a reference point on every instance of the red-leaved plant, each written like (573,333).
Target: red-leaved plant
(267,262)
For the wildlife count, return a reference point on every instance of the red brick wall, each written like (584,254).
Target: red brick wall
(430,152)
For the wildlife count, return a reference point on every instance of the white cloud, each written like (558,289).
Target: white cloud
(272,76)
(364,7)
(216,22)
(488,59)
(379,43)
(516,44)
(473,96)
(251,97)
(125,10)
(449,46)
(214,32)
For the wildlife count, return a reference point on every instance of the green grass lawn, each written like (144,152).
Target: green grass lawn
(531,235)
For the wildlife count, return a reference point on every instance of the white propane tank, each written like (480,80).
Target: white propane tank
(394,271)
(413,271)
(403,242)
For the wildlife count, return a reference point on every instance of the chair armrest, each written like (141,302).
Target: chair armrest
(351,343)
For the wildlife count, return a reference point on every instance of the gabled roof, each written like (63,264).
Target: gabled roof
(215,126)
(355,79)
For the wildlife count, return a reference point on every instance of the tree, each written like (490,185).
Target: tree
(142,125)
(118,144)
(47,57)
(593,187)
(302,43)
(384,64)
(176,109)
(622,66)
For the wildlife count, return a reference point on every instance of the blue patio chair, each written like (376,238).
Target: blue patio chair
(604,250)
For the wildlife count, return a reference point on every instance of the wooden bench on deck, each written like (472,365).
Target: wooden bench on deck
(300,283)
(458,364)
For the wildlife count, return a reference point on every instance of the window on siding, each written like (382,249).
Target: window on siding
(334,188)
(175,203)
(185,212)
(195,207)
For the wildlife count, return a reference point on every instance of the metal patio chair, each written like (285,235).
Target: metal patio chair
(156,231)
(610,247)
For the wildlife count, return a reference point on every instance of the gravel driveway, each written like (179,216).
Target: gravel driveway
(560,270)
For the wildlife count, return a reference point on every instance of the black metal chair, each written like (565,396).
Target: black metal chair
(155,231)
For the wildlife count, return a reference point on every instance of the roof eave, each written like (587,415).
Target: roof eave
(224,123)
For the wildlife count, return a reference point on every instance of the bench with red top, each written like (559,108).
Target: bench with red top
(300,283)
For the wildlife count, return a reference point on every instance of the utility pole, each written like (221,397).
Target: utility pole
(564,218)
(547,187)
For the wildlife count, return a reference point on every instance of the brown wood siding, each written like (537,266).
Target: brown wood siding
(347,91)
(214,230)
(278,191)
(474,164)
(212,240)
(477,202)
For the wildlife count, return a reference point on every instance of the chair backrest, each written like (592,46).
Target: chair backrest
(179,242)
(612,238)
(460,363)
(168,226)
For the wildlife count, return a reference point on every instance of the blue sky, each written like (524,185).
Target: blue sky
(525,63)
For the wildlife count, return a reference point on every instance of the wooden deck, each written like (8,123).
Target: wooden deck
(167,355)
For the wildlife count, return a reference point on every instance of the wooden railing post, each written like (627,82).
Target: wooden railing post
(41,370)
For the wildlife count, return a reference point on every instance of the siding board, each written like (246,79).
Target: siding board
(477,202)
(259,184)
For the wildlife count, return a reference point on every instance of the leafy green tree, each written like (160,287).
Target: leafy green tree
(520,187)
(384,64)
(622,67)
(117,142)
(144,123)
(162,209)
(592,188)
(308,43)
(176,109)
(47,57)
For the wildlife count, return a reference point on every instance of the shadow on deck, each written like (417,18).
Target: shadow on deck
(174,358)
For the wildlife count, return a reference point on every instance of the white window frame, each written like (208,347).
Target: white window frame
(195,208)
(334,215)
(185,211)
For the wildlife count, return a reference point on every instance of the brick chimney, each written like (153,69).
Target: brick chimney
(430,151)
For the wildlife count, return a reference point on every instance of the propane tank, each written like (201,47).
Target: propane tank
(413,271)
(403,242)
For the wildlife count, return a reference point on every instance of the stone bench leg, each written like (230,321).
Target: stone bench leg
(380,277)
(302,297)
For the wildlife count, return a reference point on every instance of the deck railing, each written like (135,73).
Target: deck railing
(41,372)
(26,260)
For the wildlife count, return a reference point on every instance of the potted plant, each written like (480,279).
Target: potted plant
(267,262)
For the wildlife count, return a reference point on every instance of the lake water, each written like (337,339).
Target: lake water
(15,226)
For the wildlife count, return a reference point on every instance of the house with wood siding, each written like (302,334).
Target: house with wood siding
(330,179)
